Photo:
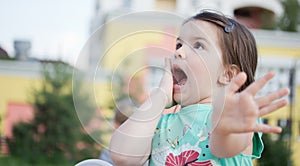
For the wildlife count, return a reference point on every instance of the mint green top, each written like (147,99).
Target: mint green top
(183,139)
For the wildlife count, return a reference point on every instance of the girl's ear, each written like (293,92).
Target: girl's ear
(229,73)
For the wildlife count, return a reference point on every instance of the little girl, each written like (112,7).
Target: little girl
(210,79)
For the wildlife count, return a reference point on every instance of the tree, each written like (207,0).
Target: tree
(290,19)
(276,152)
(55,134)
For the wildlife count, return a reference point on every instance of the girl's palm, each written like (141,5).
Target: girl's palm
(241,110)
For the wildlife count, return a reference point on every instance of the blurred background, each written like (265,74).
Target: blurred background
(48,47)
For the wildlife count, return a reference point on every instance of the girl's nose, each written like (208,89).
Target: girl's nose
(179,54)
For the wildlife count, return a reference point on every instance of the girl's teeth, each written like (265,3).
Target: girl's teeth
(182,82)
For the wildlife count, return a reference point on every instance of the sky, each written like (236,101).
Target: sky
(57,29)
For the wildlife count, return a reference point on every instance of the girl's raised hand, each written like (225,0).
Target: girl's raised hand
(166,83)
(237,112)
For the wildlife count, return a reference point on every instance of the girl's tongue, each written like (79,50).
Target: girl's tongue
(179,77)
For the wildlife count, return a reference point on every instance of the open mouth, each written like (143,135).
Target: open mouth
(179,76)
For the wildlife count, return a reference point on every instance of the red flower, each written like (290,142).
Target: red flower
(186,158)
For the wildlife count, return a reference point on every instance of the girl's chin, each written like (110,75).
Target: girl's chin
(184,101)
(178,99)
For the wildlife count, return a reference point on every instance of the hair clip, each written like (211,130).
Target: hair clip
(229,27)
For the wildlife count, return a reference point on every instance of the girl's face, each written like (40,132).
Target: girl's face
(197,63)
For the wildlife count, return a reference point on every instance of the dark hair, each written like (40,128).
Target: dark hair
(237,43)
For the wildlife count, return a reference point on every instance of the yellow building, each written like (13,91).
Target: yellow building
(17,80)
(280,52)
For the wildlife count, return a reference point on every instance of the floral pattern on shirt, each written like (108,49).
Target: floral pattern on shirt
(186,158)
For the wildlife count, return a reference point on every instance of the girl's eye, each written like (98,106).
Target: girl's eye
(178,45)
(198,45)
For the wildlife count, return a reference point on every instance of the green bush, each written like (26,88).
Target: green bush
(52,136)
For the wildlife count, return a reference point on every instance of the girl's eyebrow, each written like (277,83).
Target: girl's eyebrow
(178,39)
(200,38)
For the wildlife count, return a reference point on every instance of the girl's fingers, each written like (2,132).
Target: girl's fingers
(267,128)
(272,107)
(266,100)
(237,82)
(259,84)
(167,69)
(177,108)
(166,83)
(167,66)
